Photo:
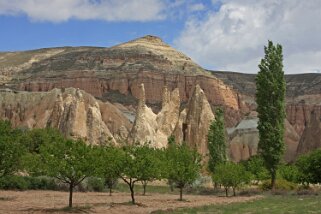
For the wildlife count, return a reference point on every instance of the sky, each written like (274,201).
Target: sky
(227,35)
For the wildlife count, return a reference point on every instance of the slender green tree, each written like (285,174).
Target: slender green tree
(183,165)
(270,99)
(216,141)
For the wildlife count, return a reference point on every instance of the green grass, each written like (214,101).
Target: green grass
(270,204)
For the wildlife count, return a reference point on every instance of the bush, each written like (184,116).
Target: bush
(26,182)
(13,183)
(43,183)
(280,184)
(289,173)
(95,184)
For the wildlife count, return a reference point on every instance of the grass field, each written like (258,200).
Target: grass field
(270,204)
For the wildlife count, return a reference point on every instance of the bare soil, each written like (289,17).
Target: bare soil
(94,202)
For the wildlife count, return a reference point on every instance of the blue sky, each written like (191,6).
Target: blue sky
(217,34)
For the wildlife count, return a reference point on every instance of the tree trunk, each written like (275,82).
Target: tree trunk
(144,187)
(110,191)
(226,192)
(131,187)
(71,188)
(234,191)
(181,194)
(273,181)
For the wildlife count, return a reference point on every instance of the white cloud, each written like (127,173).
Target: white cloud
(233,37)
(63,10)
(196,7)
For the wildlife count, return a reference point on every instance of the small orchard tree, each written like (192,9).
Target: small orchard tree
(230,175)
(11,150)
(68,161)
(270,99)
(109,164)
(183,165)
(216,141)
(152,160)
(140,164)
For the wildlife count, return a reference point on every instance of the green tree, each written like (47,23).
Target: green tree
(183,166)
(11,150)
(270,99)
(68,161)
(140,165)
(109,164)
(216,141)
(231,175)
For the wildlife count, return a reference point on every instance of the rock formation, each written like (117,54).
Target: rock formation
(194,122)
(74,112)
(244,139)
(311,137)
(155,128)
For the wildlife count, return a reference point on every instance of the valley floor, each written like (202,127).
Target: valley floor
(93,202)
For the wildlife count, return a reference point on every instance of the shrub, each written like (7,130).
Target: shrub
(13,183)
(95,184)
(26,182)
(280,184)
(289,173)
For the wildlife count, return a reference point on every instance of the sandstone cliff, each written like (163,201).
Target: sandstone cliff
(74,112)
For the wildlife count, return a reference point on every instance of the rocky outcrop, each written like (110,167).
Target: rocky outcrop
(190,126)
(72,111)
(244,139)
(155,128)
(194,122)
(311,139)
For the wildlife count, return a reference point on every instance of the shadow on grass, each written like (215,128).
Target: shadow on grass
(77,209)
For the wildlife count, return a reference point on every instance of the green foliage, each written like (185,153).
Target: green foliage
(68,161)
(309,168)
(216,141)
(34,138)
(280,184)
(140,163)
(231,175)
(270,99)
(109,164)
(26,183)
(289,173)
(255,165)
(183,165)
(95,184)
(11,150)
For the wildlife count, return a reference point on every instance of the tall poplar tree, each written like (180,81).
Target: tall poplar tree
(270,99)
(216,141)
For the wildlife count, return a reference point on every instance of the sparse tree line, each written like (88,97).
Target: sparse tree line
(45,152)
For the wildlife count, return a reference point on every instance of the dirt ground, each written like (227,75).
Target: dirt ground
(93,202)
